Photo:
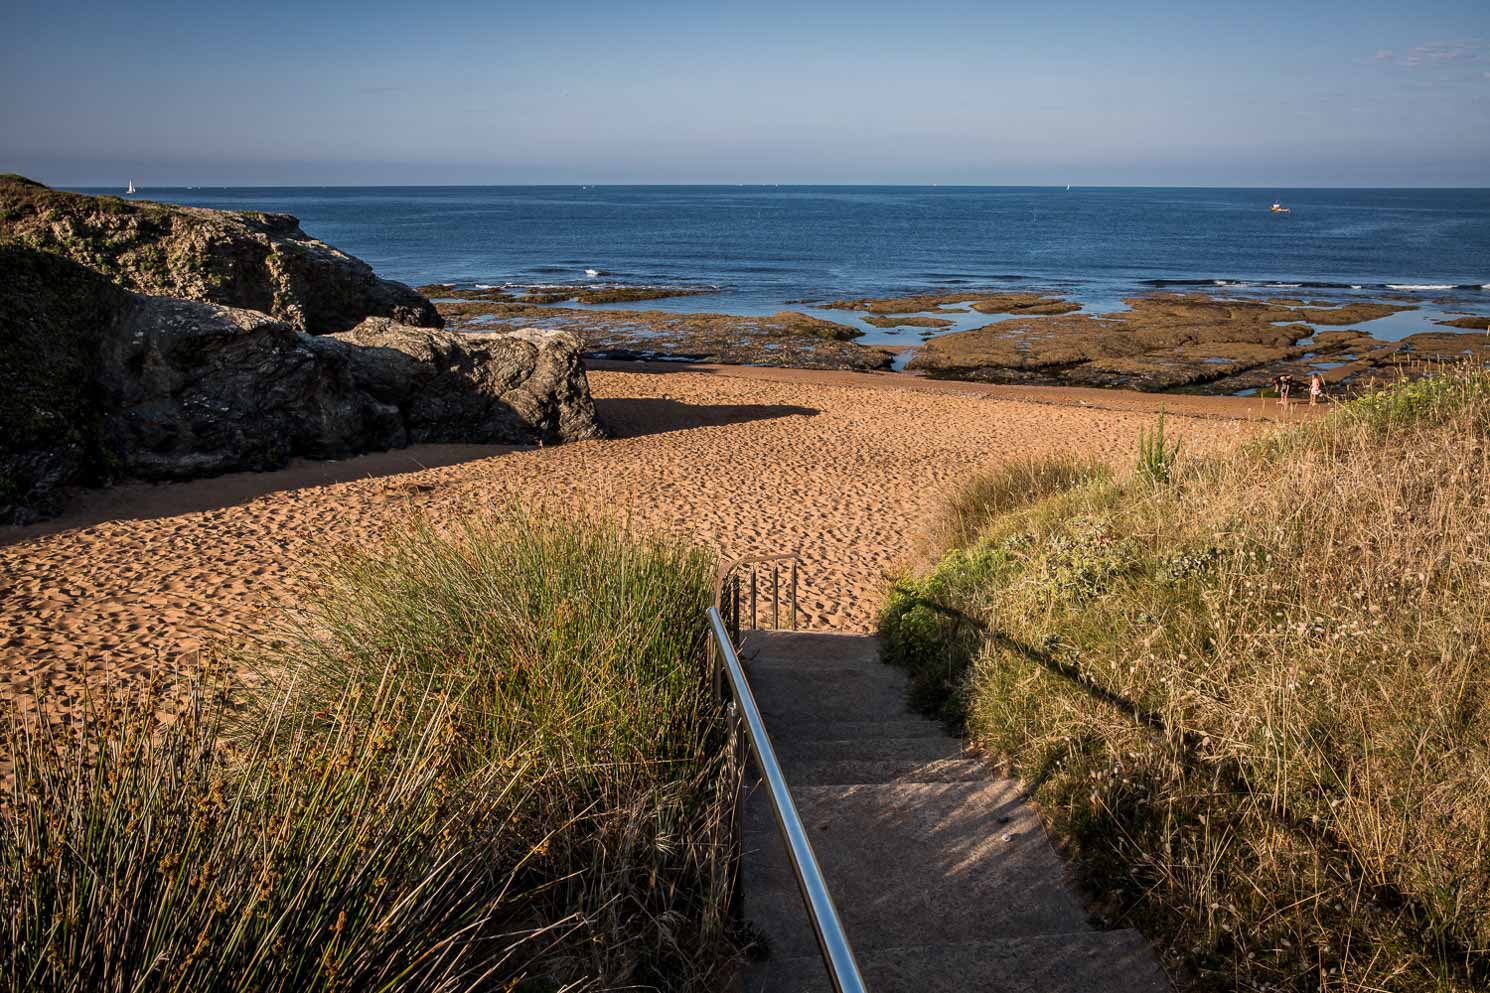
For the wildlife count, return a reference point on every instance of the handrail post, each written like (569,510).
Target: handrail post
(775,597)
(794,594)
(753,625)
(838,954)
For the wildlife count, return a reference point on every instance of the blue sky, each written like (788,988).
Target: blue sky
(1311,93)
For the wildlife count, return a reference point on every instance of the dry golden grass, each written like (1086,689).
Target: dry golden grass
(1255,699)
(484,758)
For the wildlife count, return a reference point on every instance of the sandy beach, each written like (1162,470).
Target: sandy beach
(843,467)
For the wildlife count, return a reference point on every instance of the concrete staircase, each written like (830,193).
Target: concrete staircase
(944,879)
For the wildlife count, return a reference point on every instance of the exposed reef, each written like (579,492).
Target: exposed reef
(787,338)
(245,259)
(981,301)
(1193,343)
(544,295)
(1469,322)
(909,322)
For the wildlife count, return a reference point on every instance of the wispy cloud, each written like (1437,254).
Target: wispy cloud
(1443,51)
(1432,53)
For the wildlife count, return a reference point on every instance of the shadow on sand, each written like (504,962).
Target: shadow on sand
(141,501)
(634,417)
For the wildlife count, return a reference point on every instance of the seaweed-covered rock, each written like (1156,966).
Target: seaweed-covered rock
(1470,322)
(983,301)
(1166,341)
(785,339)
(246,259)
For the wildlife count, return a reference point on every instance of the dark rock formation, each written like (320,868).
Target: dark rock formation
(53,315)
(245,259)
(192,389)
(97,383)
(517,387)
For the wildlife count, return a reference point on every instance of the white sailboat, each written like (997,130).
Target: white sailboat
(131,188)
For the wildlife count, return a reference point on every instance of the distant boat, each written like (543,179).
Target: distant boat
(131,187)
(1278,208)
(1068,187)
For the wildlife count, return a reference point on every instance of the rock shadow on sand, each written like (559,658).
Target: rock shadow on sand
(136,500)
(635,417)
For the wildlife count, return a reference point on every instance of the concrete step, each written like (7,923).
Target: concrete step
(804,648)
(911,863)
(906,726)
(819,762)
(827,695)
(1091,962)
(924,748)
(852,772)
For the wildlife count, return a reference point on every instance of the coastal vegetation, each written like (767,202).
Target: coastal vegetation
(479,757)
(1250,691)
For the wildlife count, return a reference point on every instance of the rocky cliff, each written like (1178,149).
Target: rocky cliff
(244,259)
(99,383)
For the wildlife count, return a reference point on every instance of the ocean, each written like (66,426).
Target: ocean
(769,248)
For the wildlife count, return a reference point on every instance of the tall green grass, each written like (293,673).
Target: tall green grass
(1157,454)
(1256,700)
(480,758)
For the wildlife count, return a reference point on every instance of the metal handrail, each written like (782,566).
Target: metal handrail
(728,580)
(838,955)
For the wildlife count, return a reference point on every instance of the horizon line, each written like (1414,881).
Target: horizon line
(954,186)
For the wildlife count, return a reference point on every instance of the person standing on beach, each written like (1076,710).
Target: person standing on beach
(1284,384)
(1316,390)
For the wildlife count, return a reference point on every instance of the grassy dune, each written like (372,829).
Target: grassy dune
(1252,693)
(484,759)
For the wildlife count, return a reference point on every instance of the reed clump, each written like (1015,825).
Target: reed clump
(478,758)
(1254,700)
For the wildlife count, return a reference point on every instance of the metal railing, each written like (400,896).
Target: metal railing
(744,582)
(838,955)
